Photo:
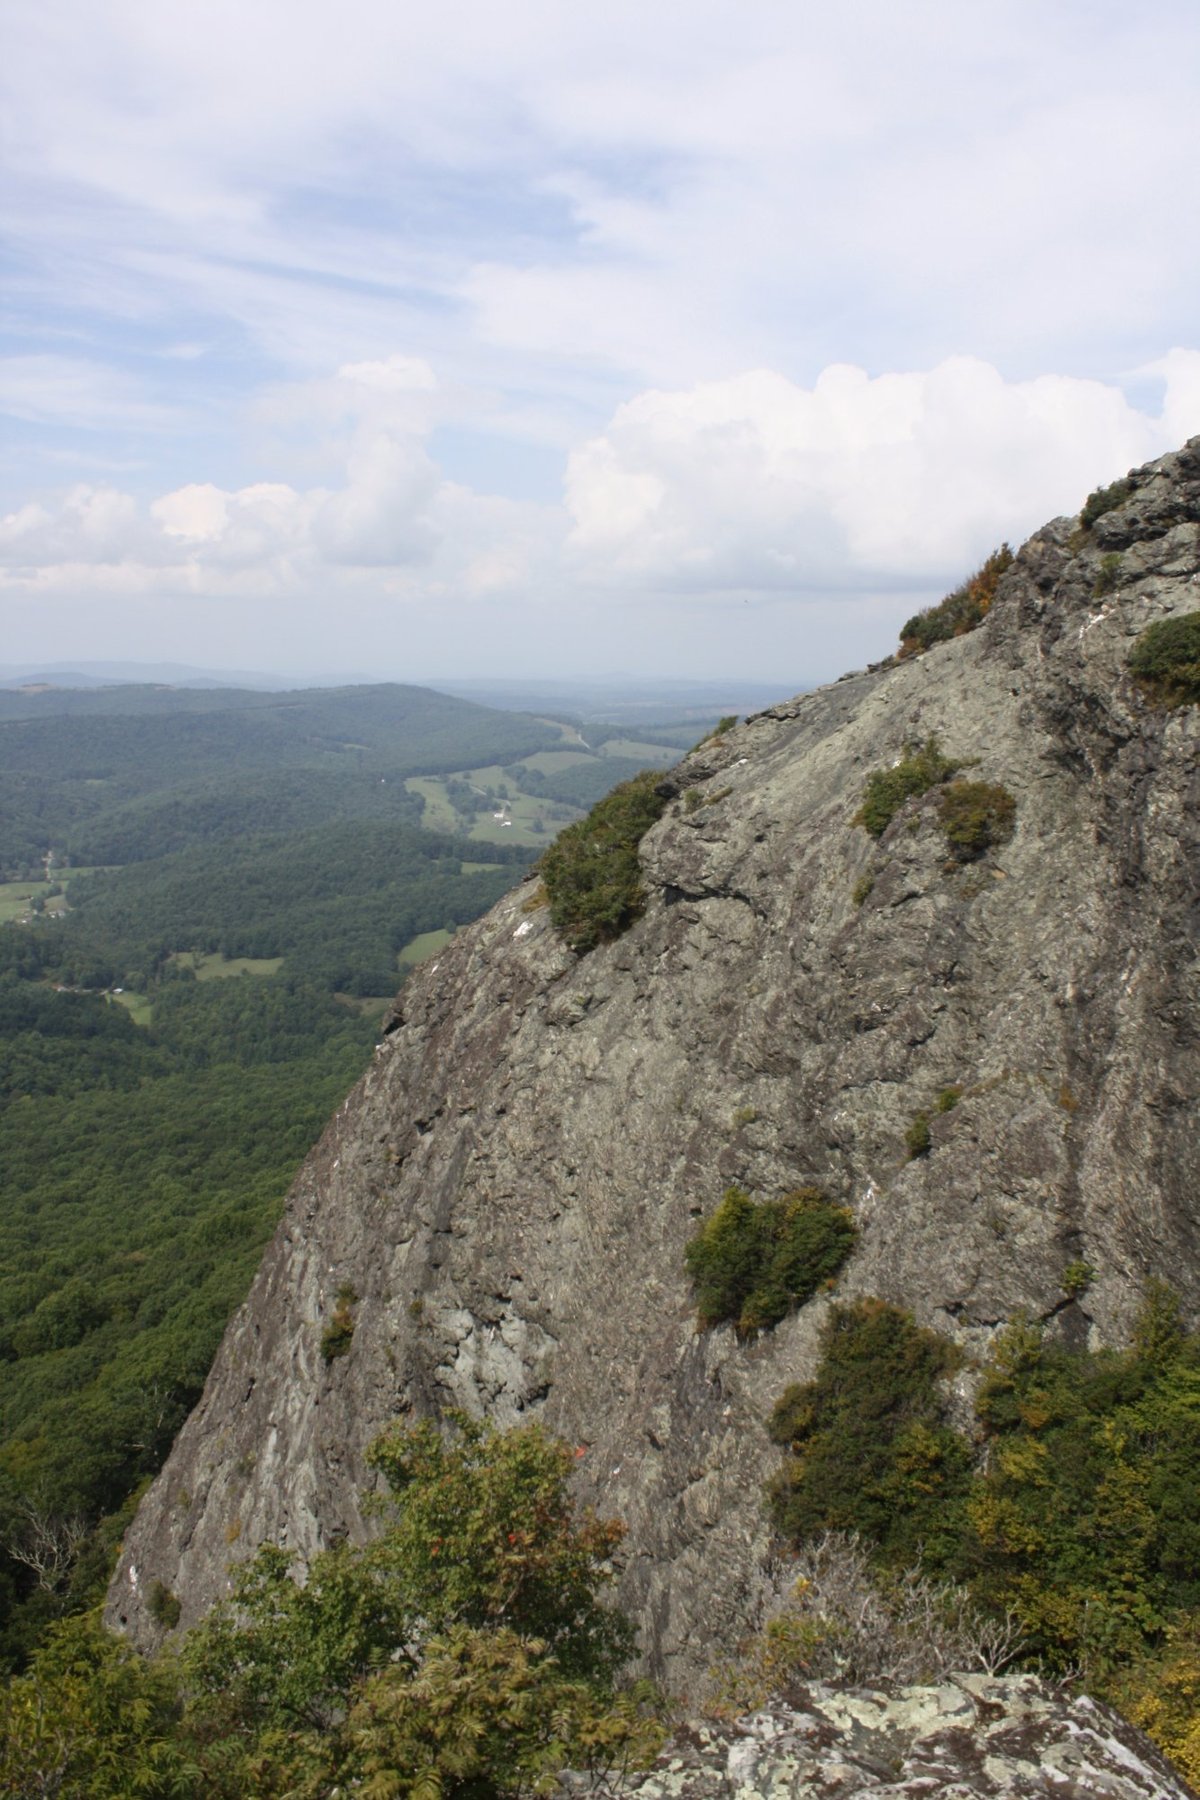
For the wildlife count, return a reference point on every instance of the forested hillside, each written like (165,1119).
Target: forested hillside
(157,842)
(207,897)
(122,774)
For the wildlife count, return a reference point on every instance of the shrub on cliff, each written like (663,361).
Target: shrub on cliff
(921,767)
(960,611)
(1165,660)
(869,1449)
(591,872)
(338,1335)
(753,1262)
(1103,500)
(975,816)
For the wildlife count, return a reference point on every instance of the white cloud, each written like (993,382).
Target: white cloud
(855,484)
(93,525)
(381,516)
(393,524)
(71,391)
(199,511)
(820,500)
(391,375)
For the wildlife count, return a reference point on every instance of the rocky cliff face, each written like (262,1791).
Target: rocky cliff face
(509,1190)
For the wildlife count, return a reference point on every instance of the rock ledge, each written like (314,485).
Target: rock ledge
(975,1735)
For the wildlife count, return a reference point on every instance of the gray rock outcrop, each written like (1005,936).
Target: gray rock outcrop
(974,1736)
(509,1190)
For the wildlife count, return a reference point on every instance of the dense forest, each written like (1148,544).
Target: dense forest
(210,894)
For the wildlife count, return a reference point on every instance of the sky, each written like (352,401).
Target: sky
(520,338)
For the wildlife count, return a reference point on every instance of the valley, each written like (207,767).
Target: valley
(210,899)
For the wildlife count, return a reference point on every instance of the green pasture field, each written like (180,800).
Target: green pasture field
(523,809)
(426,943)
(439,815)
(490,775)
(136,1005)
(368,1006)
(570,733)
(214,967)
(550,760)
(15,898)
(655,756)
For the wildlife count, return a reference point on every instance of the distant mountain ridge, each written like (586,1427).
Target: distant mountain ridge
(75,764)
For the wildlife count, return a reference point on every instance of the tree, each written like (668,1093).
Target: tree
(92,1721)
(465,1650)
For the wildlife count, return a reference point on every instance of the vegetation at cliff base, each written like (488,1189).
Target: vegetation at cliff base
(465,1652)
(754,1261)
(591,872)
(1165,660)
(919,768)
(870,1451)
(960,611)
(1074,1510)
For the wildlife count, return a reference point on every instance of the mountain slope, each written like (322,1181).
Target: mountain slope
(509,1191)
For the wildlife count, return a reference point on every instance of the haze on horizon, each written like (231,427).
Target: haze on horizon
(524,341)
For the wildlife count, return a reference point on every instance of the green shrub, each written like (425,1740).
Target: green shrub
(921,767)
(1108,574)
(591,872)
(1080,1517)
(753,1262)
(1165,660)
(1103,500)
(163,1606)
(466,1652)
(1076,1279)
(339,1333)
(948,1099)
(974,816)
(869,1449)
(724,724)
(917,1139)
(862,889)
(960,611)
